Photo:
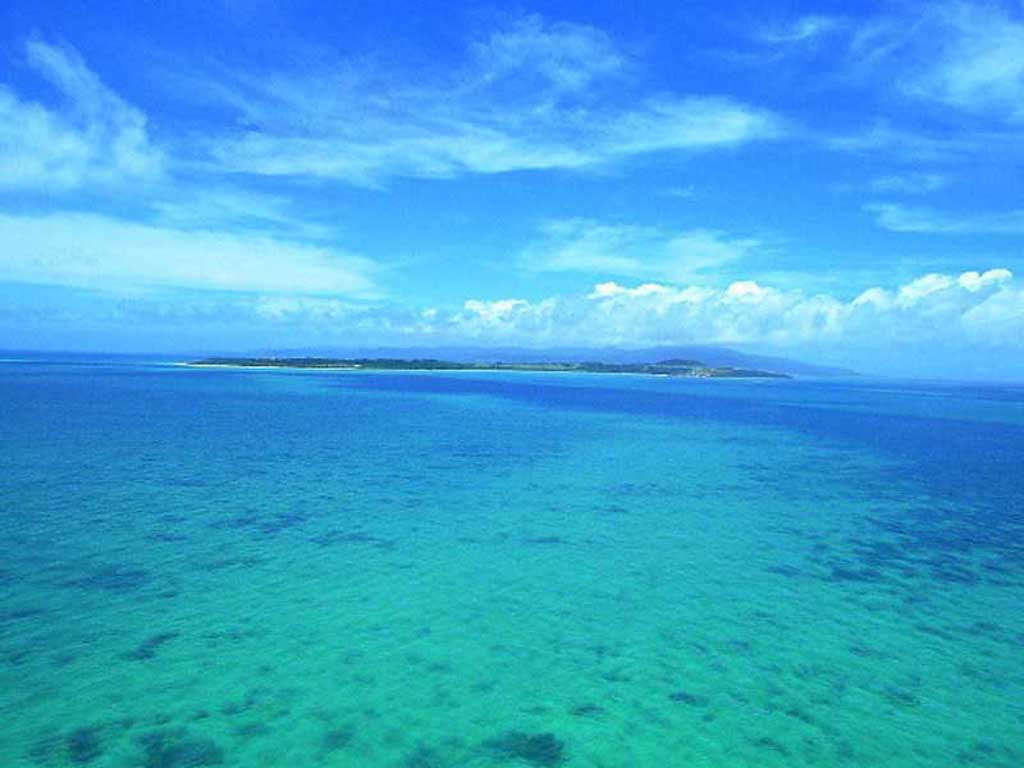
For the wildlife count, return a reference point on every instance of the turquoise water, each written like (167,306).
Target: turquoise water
(260,568)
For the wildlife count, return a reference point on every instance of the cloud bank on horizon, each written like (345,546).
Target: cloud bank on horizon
(844,187)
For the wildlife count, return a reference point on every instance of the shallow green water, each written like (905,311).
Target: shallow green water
(265,568)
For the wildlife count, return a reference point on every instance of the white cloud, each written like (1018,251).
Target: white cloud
(968,56)
(985,308)
(93,138)
(682,193)
(998,320)
(746,290)
(914,291)
(494,310)
(230,208)
(924,146)
(918,183)
(501,320)
(567,56)
(974,281)
(609,289)
(963,62)
(93,251)
(801,30)
(979,66)
(532,96)
(901,218)
(623,250)
(694,122)
(974,311)
(280,308)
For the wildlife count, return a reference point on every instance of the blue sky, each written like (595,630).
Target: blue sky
(837,181)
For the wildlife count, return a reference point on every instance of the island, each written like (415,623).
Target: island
(684,368)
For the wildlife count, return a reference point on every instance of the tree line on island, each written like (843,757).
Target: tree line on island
(674,367)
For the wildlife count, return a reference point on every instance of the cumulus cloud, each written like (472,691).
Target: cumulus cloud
(94,251)
(918,289)
(975,281)
(625,250)
(502,320)
(92,136)
(611,288)
(534,95)
(977,308)
(980,309)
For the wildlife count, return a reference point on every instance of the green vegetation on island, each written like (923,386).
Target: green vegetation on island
(687,368)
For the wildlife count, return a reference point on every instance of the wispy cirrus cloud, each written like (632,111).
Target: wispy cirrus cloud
(628,250)
(971,58)
(967,56)
(230,208)
(961,61)
(948,147)
(103,252)
(882,136)
(91,136)
(531,96)
(804,29)
(564,55)
(902,218)
(914,183)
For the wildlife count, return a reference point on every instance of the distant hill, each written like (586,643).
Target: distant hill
(707,354)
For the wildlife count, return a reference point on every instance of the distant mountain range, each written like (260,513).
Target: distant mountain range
(708,355)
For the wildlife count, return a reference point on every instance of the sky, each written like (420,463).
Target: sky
(839,182)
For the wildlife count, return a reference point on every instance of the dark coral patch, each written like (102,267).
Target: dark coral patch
(176,749)
(545,540)
(543,749)
(984,628)
(771,745)
(166,537)
(841,573)
(332,538)
(111,578)
(688,698)
(900,697)
(63,658)
(147,648)
(83,745)
(232,708)
(338,738)
(19,614)
(268,525)
(281,522)
(252,730)
(423,757)
(798,713)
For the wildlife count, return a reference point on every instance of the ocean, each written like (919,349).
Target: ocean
(422,570)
